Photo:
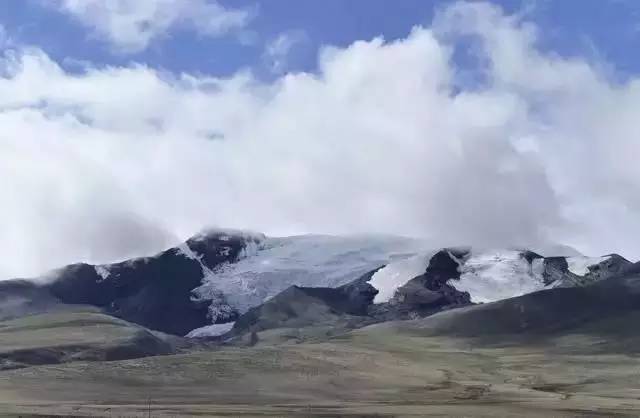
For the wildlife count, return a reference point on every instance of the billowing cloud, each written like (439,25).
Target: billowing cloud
(383,138)
(131,25)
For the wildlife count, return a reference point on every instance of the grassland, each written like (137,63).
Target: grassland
(393,369)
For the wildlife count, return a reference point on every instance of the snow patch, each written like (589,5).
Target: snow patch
(183,249)
(465,251)
(580,265)
(210,330)
(216,292)
(388,279)
(494,275)
(132,262)
(219,308)
(103,272)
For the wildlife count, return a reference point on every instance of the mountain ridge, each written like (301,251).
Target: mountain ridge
(217,276)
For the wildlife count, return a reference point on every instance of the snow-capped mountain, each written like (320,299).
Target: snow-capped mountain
(421,286)
(217,276)
(488,275)
(156,291)
(274,264)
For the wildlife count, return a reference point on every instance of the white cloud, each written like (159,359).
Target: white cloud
(277,50)
(131,25)
(121,161)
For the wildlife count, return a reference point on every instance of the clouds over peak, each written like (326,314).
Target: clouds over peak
(382,138)
(131,26)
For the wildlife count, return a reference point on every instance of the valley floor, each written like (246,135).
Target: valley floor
(376,371)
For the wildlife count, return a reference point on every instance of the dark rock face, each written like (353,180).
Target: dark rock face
(612,266)
(356,297)
(530,256)
(556,271)
(150,292)
(629,269)
(155,292)
(428,293)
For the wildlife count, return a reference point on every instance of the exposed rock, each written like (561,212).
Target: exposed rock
(613,265)
(557,273)
(428,293)
(156,291)
(556,270)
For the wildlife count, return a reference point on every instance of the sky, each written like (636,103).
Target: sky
(129,125)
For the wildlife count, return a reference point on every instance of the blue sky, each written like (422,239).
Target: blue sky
(597,29)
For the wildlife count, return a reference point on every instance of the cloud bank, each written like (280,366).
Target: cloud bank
(387,137)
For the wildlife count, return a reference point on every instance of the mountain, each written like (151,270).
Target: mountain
(493,274)
(377,322)
(424,285)
(606,309)
(306,260)
(219,275)
(155,292)
(211,278)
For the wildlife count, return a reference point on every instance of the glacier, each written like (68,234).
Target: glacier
(274,264)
